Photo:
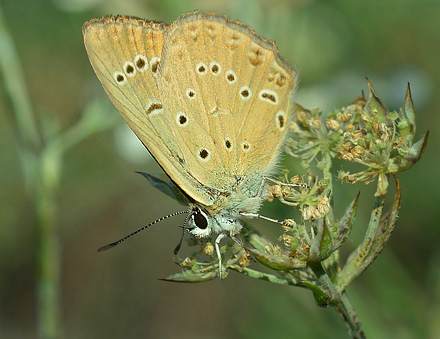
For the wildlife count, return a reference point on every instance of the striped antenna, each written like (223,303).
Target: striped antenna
(113,244)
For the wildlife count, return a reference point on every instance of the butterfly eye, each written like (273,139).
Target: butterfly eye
(200,220)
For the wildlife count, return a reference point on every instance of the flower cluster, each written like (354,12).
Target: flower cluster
(306,252)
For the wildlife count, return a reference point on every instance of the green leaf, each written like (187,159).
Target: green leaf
(387,222)
(375,104)
(346,223)
(194,271)
(167,187)
(282,280)
(402,164)
(321,296)
(277,261)
(382,185)
(409,110)
(416,150)
(378,232)
(192,277)
(322,244)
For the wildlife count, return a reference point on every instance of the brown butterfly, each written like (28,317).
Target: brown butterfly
(209,99)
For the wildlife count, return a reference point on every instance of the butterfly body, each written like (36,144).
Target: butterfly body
(225,213)
(209,99)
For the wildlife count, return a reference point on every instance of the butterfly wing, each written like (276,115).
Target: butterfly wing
(212,112)
(234,94)
(125,53)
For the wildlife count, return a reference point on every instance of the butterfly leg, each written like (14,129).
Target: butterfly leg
(259,216)
(217,249)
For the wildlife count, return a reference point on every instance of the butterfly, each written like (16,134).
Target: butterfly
(209,99)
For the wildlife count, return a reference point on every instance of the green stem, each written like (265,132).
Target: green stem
(29,142)
(332,295)
(48,254)
(15,86)
(265,276)
(42,163)
(350,317)
(338,300)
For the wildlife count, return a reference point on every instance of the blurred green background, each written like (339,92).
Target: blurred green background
(115,294)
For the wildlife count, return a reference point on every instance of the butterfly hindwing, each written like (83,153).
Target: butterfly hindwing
(208,97)
(235,93)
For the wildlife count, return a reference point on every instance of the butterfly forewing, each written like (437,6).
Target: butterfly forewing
(125,53)
(235,93)
(120,49)
(208,97)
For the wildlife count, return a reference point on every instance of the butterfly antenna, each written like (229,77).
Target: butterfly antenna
(177,249)
(113,244)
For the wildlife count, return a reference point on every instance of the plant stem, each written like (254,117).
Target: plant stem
(266,276)
(34,172)
(48,254)
(350,317)
(16,89)
(332,296)
(338,300)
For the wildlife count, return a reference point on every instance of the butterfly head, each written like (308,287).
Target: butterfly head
(201,223)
